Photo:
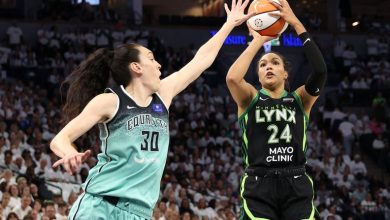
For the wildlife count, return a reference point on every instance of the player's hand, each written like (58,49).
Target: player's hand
(72,162)
(256,35)
(236,15)
(285,12)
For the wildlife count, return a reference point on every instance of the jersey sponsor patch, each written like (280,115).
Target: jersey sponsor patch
(288,99)
(157,108)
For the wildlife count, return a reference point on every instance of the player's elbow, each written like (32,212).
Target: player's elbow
(54,144)
(231,78)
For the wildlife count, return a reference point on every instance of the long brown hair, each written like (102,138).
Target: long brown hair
(91,77)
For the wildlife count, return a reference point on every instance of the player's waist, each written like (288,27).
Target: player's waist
(275,172)
(129,206)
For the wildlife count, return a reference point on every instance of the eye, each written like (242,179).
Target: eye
(262,65)
(275,62)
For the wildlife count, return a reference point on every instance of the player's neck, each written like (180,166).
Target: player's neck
(275,93)
(141,94)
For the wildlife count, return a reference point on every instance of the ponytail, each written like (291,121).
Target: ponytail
(92,76)
(89,79)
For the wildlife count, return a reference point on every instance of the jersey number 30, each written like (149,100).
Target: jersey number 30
(150,139)
(285,135)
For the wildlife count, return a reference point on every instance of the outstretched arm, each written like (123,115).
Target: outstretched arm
(178,81)
(99,109)
(242,91)
(316,81)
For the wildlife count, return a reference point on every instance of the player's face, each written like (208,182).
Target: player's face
(150,68)
(271,71)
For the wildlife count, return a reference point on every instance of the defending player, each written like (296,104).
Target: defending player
(133,121)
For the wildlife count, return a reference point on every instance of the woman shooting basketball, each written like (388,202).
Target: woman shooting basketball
(274,121)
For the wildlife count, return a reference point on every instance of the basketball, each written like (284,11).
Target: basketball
(264,23)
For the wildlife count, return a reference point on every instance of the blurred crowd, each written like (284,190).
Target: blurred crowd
(204,167)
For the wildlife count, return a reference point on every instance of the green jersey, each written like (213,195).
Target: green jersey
(274,131)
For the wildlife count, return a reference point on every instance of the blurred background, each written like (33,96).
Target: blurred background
(42,41)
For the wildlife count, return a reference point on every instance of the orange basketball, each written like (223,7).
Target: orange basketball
(264,23)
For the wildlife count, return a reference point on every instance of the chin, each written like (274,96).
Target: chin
(156,87)
(269,83)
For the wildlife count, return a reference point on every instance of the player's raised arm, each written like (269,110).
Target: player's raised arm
(316,81)
(178,81)
(242,91)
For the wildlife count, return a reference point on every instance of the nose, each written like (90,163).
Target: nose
(158,65)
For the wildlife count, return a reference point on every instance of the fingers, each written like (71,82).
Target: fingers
(73,164)
(58,162)
(85,155)
(67,166)
(233,5)
(284,3)
(274,14)
(251,14)
(278,6)
(227,9)
(247,24)
(79,161)
(239,3)
(245,4)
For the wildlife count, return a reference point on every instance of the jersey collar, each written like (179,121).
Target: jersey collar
(263,91)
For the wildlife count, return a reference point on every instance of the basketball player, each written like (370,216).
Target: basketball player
(133,122)
(274,121)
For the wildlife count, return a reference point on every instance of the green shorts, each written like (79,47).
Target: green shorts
(90,207)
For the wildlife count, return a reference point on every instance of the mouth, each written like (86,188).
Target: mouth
(269,75)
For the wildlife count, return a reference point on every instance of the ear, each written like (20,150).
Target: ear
(135,67)
(285,75)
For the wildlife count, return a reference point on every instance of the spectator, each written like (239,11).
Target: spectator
(357,166)
(347,130)
(15,35)
(379,105)
(12,216)
(50,210)
(23,208)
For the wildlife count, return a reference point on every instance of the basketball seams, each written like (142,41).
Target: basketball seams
(262,22)
(263,12)
(270,26)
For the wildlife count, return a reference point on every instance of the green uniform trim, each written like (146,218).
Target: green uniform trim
(244,148)
(245,205)
(284,94)
(249,107)
(312,200)
(305,119)
(244,121)
(296,96)
(304,134)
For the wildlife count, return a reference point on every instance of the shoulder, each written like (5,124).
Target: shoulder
(104,100)
(103,105)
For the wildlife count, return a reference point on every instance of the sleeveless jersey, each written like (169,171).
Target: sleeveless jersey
(134,147)
(274,131)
